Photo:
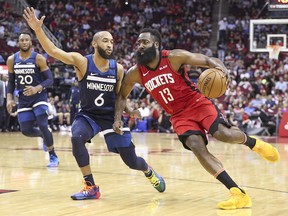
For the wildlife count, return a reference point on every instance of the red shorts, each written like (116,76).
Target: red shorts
(197,119)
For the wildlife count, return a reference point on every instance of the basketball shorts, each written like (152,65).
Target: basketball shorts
(198,120)
(112,139)
(30,113)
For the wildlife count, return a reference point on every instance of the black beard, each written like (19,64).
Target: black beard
(103,54)
(25,50)
(148,56)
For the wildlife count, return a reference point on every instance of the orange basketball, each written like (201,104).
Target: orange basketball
(211,83)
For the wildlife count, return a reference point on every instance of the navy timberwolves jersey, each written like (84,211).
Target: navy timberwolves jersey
(97,90)
(28,74)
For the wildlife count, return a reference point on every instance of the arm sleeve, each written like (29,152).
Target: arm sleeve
(48,79)
(11,83)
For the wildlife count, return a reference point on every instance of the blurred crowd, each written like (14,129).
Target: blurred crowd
(258,93)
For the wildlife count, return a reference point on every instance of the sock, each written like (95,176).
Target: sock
(250,142)
(89,180)
(148,172)
(52,152)
(225,179)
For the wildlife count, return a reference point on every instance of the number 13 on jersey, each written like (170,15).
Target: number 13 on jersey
(166,95)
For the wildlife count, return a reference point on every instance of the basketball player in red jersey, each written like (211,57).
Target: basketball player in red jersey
(192,113)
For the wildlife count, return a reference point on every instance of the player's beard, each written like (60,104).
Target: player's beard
(103,54)
(26,49)
(148,56)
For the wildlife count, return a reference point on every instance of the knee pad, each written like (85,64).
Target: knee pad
(27,132)
(80,151)
(78,144)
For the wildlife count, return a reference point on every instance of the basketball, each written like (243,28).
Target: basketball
(211,83)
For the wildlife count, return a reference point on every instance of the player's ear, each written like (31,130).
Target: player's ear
(93,43)
(156,44)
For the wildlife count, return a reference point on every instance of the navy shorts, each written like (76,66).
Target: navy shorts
(30,114)
(112,139)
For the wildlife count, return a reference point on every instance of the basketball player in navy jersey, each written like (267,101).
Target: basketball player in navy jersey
(30,75)
(158,71)
(99,81)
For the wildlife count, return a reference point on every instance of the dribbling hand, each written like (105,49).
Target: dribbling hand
(30,16)
(225,74)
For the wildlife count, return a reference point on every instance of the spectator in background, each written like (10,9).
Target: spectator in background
(222,29)
(154,116)
(3,111)
(257,101)
(2,31)
(221,49)
(2,60)
(144,110)
(281,85)
(249,110)
(164,124)
(74,100)
(53,119)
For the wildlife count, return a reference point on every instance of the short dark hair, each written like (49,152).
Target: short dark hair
(26,33)
(155,33)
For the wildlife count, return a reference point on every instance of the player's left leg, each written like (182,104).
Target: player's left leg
(26,119)
(234,135)
(123,145)
(217,125)
(42,122)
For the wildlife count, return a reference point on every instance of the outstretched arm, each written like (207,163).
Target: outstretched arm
(70,58)
(129,80)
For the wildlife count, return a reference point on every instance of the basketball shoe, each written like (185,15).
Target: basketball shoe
(237,200)
(266,150)
(157,181)
(88,192)
(53,162)
(235,212)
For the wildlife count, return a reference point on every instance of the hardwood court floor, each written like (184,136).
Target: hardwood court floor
(27,187)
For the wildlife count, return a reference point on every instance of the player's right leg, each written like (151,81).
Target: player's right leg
(81,133)
(26,119)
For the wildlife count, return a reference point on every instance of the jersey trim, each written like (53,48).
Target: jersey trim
(100,79)
(112,131)
(34,105)
(24,66)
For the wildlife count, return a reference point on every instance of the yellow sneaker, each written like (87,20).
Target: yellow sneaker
(266,150)
(235,212)
(237,200)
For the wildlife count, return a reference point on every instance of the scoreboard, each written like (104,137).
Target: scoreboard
(278,5)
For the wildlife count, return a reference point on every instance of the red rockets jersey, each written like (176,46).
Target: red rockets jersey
(172,90)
